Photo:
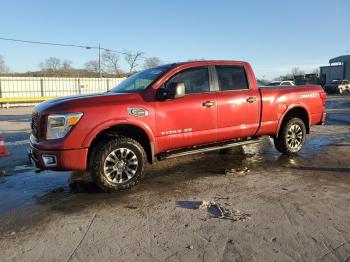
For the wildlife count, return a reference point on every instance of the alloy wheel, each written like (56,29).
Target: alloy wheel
(120,165)
(295,137)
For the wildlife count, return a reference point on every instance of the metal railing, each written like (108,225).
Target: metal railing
(21,91)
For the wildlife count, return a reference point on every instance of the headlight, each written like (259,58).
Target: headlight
(59,125)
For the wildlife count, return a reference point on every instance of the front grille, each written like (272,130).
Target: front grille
(37,125)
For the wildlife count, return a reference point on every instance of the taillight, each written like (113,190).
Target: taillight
(323,96)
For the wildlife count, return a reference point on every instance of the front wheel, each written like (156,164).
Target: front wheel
(117,164)
(291,138)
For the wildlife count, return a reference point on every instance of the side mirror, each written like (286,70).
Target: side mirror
(173,90)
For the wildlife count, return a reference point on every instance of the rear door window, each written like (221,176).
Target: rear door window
(232,78)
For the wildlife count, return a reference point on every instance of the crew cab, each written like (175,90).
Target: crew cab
(169,111)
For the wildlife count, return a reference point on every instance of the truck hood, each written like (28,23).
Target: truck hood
(79,102)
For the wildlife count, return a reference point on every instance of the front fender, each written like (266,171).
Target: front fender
(115,122)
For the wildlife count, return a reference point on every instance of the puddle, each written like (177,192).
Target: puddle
(338,119)
(22,168)
(265,155)
(18,190)
(339,103)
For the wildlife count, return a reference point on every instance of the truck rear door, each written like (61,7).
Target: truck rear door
(238,103)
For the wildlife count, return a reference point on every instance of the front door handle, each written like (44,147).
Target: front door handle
(208,104)
(251,99)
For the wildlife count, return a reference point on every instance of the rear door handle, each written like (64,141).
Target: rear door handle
(251,99)
(208,104)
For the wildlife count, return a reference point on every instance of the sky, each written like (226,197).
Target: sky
(274,36)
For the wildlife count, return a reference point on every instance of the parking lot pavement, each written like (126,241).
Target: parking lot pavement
(298,207)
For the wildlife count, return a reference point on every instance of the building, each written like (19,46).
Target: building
(338,69)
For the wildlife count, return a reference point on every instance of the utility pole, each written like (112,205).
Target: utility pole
(99,59)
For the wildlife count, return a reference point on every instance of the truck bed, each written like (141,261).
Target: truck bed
(275,101)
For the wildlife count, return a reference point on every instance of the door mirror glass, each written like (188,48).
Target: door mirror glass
(173,90)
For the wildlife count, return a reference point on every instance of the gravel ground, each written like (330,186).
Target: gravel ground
(298,208)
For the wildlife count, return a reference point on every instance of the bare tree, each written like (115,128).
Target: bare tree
(132,60)
(296,71)
(92,66)
(51,64)
(3,67)
(290,76)
(151,62)
(110,62)
(67,65)
(316,71)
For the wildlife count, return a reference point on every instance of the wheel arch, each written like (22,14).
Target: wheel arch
(295,111)
(140,133)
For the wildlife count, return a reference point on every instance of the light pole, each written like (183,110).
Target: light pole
(99,59)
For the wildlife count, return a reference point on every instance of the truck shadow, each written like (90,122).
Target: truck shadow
(165,177)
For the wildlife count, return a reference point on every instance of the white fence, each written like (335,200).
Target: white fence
(43,87)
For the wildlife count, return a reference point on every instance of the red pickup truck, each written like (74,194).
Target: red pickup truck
(169,111)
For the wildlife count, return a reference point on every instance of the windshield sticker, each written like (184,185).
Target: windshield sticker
(155,72)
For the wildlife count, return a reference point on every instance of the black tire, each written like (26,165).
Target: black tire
(110,149)
(287,145)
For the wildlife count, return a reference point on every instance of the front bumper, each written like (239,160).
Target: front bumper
(72,159)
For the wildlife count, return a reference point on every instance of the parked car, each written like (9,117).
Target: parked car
(344,87)
(281,83)
(169,111)
(333,87)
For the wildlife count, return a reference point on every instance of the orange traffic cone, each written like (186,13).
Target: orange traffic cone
(3,148)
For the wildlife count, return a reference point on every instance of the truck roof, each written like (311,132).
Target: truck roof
(211,62)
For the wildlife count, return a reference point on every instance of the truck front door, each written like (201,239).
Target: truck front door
(189,120)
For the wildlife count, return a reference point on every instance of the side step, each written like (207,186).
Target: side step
(202,149)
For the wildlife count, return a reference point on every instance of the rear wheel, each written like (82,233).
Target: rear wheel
(117,164)
(291,138)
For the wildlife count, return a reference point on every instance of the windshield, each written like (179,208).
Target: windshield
(140,81)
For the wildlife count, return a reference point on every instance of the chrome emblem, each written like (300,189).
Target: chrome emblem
(138,111)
